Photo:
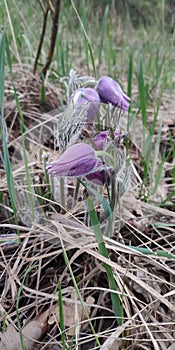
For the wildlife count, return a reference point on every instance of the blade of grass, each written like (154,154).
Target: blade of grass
(111,52)
(86,38)
(29,269)
(155,175)
(12,31)
(107,209)
(142,97)
(130,72)
(117,308)
(22,129)
(168,198)
(103,28)
(84,21)
(43,90)
(61,316)
(158,252)
(8,169)
(77,290)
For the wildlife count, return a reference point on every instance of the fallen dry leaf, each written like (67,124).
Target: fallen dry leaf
(73,312)
(10,339)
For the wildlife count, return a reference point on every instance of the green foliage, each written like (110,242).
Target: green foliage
(61,316)
(3,130)
(117,308)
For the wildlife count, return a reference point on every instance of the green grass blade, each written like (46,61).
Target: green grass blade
(84,21)
(43,90)
(142,97)
(130,72)
(154,180)
(168,198)
(29,269)
(103,251)
(103,28)
(61,316)
(158,252)
(111,52)
(8,169)
(106,207)
(77,291)
(22,129)
(86,38)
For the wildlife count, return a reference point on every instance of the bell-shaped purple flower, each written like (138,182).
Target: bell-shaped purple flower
(86,96)
(110,92)
(77,160)
(100,139)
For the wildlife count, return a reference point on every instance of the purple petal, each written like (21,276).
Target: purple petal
(110,92)
(100,176)
(77,160)
(88,96)
(100,139)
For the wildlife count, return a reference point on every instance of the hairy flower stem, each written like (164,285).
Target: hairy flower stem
(113,205)
(113,193)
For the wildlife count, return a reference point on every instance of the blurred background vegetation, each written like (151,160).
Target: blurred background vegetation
(139,25)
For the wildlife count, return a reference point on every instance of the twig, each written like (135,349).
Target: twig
(53,37)
(42,6)
(41,40)
(51,7)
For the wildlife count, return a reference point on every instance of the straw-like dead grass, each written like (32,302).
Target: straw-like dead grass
(30,270)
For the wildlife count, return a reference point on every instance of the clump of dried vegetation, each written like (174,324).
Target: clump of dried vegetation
(53,284)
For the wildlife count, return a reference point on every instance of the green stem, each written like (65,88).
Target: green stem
(62,195)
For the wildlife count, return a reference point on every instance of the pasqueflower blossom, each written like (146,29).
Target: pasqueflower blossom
(86,96)
(110,92)
(100,139)
(77,160)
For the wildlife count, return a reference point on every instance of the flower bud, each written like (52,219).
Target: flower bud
(110,92)
(86,96)
(77,160)
(100,139)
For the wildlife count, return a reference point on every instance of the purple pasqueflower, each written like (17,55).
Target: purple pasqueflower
(77,160)
(100,139)
(101,176)
(97,177)
(86,96)
(110,92)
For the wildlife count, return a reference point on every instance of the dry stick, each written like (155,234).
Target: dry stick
(53,37)
(41,40)
(42,6)
(51,7)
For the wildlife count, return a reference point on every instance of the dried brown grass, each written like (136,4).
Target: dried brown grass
(146,283)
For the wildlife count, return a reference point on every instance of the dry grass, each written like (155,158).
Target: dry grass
(29,272)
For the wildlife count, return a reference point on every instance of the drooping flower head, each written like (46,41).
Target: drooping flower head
(110,92)
(77,160)
(86,96)
(80,160)
(100,139)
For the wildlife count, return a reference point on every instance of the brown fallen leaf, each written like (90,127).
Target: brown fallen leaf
(73,312)
(35,329)
(10,339)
